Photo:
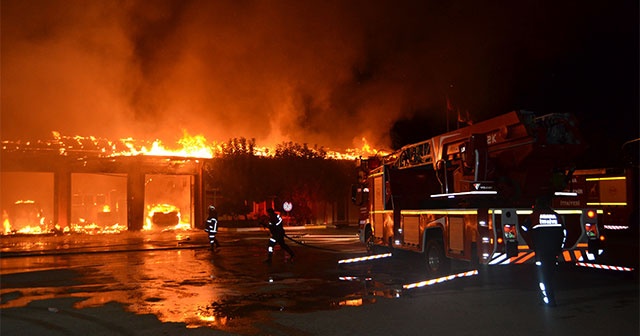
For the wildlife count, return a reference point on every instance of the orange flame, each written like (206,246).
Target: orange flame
(165,209)
(191,146)
(5,222)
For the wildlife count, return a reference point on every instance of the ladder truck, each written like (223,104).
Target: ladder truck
(463,195)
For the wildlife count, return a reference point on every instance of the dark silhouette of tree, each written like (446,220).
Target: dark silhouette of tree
(297,173)
(232,175)
(236,147)
(295,150)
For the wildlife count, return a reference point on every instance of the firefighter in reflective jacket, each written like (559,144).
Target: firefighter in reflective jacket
(548,234)
(211,227)
(276,229)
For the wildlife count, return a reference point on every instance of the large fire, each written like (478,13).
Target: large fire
(192,146)
(26,218)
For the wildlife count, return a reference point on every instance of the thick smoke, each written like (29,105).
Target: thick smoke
(320,72)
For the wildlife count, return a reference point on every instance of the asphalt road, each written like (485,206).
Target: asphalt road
(171,284)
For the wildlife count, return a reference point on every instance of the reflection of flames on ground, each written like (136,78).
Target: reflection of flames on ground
(165,217)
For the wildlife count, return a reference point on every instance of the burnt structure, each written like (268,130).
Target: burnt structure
(64,163)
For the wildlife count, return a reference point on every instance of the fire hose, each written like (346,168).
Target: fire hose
(311,246)
(299,242)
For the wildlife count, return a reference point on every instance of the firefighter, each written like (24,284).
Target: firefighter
(211,227)
(548,234)
(276,229)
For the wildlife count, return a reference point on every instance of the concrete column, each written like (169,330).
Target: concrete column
(62,197)
(135,199)
(198,200)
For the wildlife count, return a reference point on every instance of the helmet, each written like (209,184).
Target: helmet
(270,211)
(211,208)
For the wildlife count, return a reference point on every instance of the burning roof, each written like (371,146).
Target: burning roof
(188,146)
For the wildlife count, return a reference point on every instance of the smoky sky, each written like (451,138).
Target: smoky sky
(325,72)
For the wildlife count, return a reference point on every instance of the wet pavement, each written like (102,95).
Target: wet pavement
(170,283)
(176,277)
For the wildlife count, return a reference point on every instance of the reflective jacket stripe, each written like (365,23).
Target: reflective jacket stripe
(546,225)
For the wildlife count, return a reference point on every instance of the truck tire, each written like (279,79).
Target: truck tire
(368,239)
(435,260)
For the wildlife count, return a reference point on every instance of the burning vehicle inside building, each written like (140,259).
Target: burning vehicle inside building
(26,217)
(165,217)
(168,202)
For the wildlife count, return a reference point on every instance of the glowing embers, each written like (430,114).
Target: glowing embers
(605,267)
(440,280)
(371,257)
(93,228)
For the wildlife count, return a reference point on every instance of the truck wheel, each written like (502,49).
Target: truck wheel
(368,239)
(435,260)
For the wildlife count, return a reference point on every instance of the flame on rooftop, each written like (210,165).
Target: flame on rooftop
(191,146)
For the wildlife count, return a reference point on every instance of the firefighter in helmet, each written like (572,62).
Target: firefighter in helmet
(276,229)
(211,227)
(548,234)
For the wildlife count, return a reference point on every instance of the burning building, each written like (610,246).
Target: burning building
(80,186)
(91,185)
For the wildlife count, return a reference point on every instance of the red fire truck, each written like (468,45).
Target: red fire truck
(462,195)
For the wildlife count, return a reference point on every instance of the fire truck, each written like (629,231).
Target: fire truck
(615,190)
(463,195)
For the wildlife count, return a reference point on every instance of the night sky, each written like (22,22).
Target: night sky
(320,72)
